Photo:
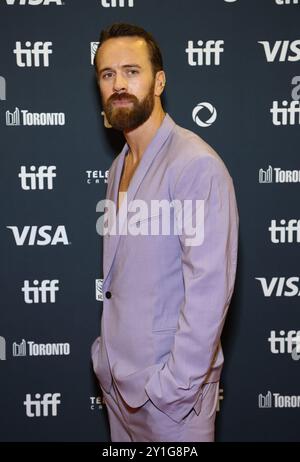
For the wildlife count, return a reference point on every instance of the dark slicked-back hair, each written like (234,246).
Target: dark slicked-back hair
(129,30)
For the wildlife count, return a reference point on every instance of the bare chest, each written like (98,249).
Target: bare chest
(127,174)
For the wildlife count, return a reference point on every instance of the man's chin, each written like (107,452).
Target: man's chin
(123,123)
(118,118)
(124,127)
(124,120)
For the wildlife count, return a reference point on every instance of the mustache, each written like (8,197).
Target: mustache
(121,97)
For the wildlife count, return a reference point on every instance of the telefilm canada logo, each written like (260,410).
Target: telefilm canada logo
(96,176)
(96,403)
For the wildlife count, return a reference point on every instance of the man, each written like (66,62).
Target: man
(166,294)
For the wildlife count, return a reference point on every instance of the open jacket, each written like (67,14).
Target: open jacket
(165,302)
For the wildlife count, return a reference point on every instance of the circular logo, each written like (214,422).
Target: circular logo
(210,120)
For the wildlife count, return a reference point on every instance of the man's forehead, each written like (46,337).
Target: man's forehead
(123,48)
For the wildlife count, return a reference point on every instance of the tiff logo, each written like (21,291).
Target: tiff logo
(37,179)
(117,3)
(265,402)
(19,349)
(43,293)
(286,342)
(285,50)
(41,407)
(286,114)
(2,349)
(2,88)
(287,2)
(204,54)
(39,235)
(285,232)
(32,55)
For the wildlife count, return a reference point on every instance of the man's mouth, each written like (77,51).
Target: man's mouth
(121,102)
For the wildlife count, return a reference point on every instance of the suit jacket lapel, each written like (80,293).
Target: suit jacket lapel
(111,242)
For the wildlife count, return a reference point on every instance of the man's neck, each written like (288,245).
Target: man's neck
(139,138)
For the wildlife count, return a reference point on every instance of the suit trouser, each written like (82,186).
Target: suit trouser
(148,423)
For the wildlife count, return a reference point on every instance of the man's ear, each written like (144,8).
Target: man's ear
(160,82)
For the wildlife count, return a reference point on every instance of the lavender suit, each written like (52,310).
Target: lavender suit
(165,302)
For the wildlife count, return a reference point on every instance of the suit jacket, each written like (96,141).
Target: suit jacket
(161,326)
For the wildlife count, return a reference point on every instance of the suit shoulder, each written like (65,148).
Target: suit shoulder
(188,148)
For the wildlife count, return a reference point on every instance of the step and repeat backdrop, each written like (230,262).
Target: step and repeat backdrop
(233,77)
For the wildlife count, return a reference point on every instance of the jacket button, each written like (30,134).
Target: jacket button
(108,294)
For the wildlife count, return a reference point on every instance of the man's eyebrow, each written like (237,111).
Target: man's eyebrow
(132,65)
(124,66)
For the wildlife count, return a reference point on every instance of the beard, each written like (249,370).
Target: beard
(126,118)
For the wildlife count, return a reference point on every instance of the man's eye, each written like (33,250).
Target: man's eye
(132,71)
(107,75)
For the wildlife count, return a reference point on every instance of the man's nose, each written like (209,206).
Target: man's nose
(120,83)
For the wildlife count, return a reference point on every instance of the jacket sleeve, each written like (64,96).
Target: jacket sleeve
(208,273)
